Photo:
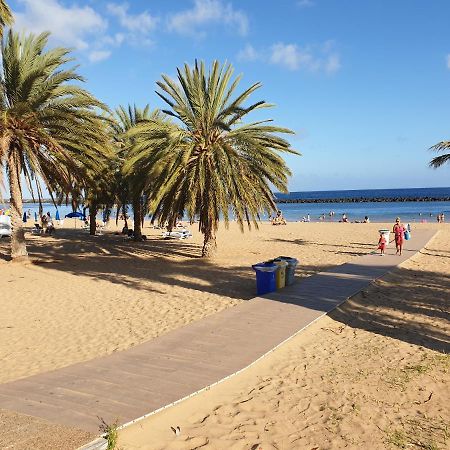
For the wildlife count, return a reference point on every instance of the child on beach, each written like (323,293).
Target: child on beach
(382,244)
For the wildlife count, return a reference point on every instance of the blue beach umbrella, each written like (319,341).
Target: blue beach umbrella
(75,214)
(24,218)
(57,215)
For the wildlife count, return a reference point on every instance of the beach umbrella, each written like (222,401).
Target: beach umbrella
(57,215)
(24,218)
(75,214)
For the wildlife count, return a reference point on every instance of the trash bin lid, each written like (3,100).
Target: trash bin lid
(291,261)
(264,267)
(280,262)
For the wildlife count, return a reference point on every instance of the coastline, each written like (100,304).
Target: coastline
(364,200)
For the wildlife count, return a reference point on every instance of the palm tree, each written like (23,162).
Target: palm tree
(6,17)
(211,164)
(51,132)
(132,181)
(438,161)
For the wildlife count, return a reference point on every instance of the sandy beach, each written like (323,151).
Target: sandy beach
(85,296)
(104,294)
(374,374)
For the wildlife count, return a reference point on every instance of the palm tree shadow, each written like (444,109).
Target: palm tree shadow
(138,265)
(409,305)
(289,241)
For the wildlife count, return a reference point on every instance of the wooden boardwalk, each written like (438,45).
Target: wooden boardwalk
(149,376)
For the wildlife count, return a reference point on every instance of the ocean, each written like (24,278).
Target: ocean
(409,211)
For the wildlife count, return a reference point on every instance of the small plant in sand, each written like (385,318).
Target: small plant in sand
(430,433)
(110,433)
(397,438)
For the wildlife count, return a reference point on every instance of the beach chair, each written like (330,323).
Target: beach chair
(178,234)
(99,228)
(5,226)
(37,229)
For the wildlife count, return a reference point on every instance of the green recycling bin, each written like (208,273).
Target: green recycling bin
(290,269)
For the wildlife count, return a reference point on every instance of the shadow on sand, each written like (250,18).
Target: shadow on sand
(137,265)
(409,305)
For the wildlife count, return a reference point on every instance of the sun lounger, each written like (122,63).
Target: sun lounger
(5,226)
(99,228)
(37,229)
(179,234)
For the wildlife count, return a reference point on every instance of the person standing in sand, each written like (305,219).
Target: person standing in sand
(382,244)
(399,234)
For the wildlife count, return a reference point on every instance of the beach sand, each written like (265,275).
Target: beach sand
(373,375)
(90,296)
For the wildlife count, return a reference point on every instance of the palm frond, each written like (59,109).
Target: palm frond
(438,161)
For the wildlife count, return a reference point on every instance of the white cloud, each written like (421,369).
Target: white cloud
(72,26)
(305,3)
(142,23)
(313,58)
(290,56)
(333,63)
(207,12)
(99,55)
(83,28)
(248,53)
(448,61)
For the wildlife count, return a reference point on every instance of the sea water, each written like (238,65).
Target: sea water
(408,211)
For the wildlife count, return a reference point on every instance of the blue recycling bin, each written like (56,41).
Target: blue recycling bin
(265,277)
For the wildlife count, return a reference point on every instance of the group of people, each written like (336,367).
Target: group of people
(47,224)
(345,219)
(440,218)
(399,231)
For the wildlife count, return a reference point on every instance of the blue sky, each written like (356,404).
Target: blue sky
(365,84)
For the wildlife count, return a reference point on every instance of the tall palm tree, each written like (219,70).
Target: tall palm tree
(51,132)
(6,17)
(132,181)
(441,159)
(211,164)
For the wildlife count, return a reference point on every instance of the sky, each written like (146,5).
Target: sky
(365,85)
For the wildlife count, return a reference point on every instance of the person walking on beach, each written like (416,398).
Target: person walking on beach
(382,244)
(399,234)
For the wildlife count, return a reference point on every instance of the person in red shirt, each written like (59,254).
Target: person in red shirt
(399,235)
(382,244)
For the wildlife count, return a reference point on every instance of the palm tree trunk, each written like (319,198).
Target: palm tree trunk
(18,244)
(137,216)
(124,212)
(93,208)
(209,244)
